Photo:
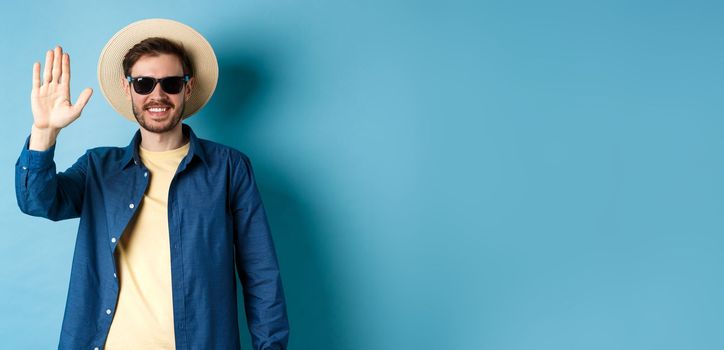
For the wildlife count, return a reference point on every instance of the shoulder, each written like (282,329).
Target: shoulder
(235,163)
(220,153)
(108,153)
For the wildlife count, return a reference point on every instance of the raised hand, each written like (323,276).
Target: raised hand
(50,101)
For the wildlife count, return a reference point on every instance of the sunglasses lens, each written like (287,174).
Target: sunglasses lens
(143,85)
(172,85)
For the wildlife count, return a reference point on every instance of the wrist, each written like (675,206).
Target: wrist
(41,139)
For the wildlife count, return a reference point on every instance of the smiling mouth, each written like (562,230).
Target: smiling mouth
(157,111)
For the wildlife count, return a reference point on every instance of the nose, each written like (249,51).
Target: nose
(157,90)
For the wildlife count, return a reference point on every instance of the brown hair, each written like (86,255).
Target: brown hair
(153,47)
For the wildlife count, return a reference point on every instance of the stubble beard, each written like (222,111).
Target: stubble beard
(175,119)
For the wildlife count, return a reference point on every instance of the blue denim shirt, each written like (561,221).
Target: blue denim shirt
(216,222)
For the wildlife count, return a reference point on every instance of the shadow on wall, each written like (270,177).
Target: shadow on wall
(315,313)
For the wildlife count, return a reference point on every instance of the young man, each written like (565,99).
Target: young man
(165,220)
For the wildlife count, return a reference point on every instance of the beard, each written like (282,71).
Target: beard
(153,126)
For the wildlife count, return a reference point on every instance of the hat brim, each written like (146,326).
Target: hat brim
(110,62)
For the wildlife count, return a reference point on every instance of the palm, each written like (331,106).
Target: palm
(50,101)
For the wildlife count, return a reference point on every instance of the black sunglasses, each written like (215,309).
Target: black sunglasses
(171,85)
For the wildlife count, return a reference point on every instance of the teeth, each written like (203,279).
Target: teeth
(156,110)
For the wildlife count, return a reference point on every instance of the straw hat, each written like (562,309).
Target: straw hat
(110,62)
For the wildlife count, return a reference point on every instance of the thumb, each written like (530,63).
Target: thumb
(83,99)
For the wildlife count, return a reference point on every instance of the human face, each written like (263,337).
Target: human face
(161,66)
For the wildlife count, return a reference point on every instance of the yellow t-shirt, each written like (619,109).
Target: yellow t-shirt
(144,314)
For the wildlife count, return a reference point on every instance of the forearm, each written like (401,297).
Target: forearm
(264,299)
(40,191)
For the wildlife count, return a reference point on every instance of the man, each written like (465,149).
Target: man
(163,221)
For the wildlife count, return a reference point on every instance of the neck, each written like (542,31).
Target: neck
(158,142)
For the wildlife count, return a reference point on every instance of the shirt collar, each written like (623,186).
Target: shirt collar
(130,152)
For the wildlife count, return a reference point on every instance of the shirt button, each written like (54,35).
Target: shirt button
(135,162)
(108,311)
(96,348)
(145,173)
(25,168)
(131,205)
(114,275)
(113,239)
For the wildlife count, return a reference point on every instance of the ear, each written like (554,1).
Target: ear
(189,88)
(126,88)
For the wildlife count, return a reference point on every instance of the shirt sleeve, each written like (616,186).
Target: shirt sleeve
(256,263)
(40,191)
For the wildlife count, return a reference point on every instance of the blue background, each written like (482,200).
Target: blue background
(438,175)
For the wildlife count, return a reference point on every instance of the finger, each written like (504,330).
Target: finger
(82,99)
(56,63)
(36,76)
(65,72)
(48,65)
